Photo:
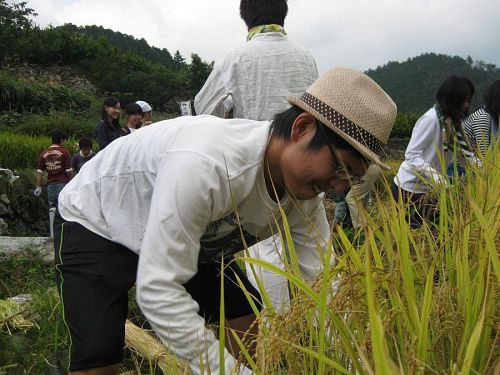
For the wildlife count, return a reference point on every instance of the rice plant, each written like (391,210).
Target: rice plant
(399,300)
(21,151)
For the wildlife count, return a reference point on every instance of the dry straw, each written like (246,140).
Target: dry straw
(147,346)
(14,316)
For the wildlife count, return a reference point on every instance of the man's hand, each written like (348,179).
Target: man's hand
(37,191)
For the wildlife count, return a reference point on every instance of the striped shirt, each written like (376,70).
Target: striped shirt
(478,127)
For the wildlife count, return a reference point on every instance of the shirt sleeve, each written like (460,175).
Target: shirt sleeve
(210,100)
(186,197)
(41,163)
(67,161)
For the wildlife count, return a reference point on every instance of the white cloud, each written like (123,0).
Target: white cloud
(358,33)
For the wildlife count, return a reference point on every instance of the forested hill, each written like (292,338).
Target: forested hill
(129,43)
(116,64)
(413,84)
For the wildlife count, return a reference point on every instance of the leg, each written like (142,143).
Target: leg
(204,287)
(247,331)
(93,278)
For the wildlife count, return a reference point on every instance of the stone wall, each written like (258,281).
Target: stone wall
(67,75)
(22,213)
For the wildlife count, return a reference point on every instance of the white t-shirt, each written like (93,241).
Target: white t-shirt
(258,76)
(178,184)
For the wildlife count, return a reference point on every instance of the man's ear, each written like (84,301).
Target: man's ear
(303,124)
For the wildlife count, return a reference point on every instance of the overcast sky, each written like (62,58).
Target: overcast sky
(362,34)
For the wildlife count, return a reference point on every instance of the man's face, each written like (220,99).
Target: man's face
(307,173)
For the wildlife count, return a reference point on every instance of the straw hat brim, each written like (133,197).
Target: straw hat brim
(363,150)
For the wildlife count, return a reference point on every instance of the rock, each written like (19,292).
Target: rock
(3,226)
(4,210)
(15,245)
(4,199)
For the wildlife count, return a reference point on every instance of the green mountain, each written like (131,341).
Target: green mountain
(130,44)
(413,83)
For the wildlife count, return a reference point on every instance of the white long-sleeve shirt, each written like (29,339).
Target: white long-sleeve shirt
(170,192)
(422,164)
(258,76)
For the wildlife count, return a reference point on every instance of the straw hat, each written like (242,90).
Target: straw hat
(355,107)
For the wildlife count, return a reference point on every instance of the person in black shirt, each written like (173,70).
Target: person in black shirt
(82,156)
(108,129)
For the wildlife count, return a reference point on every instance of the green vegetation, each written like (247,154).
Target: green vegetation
(21,151)
(41,348)
(18,95)
(397,301)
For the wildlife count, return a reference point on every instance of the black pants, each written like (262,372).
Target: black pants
(94,277)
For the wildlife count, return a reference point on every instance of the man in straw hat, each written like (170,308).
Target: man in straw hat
(176,202)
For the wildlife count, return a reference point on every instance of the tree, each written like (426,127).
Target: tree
(198,72)
(14,26)
(179,61)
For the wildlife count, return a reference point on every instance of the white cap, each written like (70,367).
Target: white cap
(144,106)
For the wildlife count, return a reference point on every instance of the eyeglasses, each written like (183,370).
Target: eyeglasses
(341,172)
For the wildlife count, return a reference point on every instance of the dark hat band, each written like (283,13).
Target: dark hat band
(342,123)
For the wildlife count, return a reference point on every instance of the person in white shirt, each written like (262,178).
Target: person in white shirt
(253,81)
(259,74)
(433,137)
(175,202)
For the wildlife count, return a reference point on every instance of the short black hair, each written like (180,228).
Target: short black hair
(454,91)
(492,98)
(133,109)
(85,142)
(282,128)
(263,12)
(58,136)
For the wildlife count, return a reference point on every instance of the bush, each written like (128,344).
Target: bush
(41,97)
(75,125)
(404,124)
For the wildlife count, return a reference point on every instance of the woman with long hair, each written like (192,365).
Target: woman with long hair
(108,129)
(438,132)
